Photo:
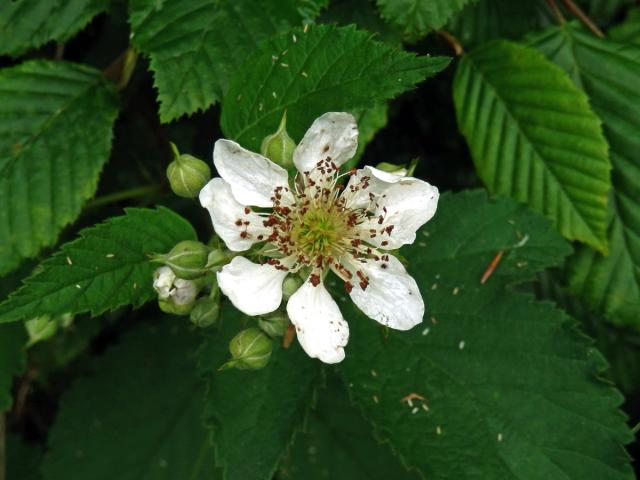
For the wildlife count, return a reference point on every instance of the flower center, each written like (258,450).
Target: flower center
(319,231)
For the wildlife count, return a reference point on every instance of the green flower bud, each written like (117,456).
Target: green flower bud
(274,324)
(216,258)
(187,259)
(403,169)
(175,295)
(279,146)
(187,174)
(250,350)
(205,311)
(40,328)
(291,285)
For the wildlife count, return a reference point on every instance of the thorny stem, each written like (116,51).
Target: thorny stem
(579,13)
(453,41)
(556,11)
(123,195)
(121,69)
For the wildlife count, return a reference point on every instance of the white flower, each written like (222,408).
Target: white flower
(168,286)
(314,225)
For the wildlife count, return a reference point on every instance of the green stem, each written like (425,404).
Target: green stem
(636,429)
(114,197)
(556,11)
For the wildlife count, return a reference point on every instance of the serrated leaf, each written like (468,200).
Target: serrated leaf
(534,137)
(124,420)
(55,136)
(107,267)
(486,20)
(338,444)
(608,72)
(629,30)
(27,24)
(510,390)
(253,415)
(419,17)
(13,359)
(196,46)
(604,11)
(328,68)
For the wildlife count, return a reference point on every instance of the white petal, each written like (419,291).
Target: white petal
(185,291)
(252,177)
(334,134)
(377,180)
(225,211)
(163,279)
(406,203)
(392,296)
(320,328)
(253,289)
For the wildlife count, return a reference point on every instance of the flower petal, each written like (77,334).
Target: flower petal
(320,328)
(399,207)
(225,212)
(252,177)
(253,289)
(392,296)
(334,134)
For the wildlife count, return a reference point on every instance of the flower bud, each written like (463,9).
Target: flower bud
(163,279)
(187,174)
(291,285)
(205,311)
(404,169)
(250,350)
(187,259)
(216,258)
(279,146)
(40,328)
(175,295)
(274,324)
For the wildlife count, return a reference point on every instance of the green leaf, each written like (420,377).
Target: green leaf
(328,68)
(418,17)
(13,359)
(107,267)
(604,11)
(489,19)
(534,137)
(608,72)
(55,136)
(511,390)
(629,30)
(254,414)
(196,46)
(338,443)
(27,24)
(125,420)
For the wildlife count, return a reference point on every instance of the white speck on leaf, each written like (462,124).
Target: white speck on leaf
(415,410)
(69,261)
(461,345)
(456,290)
(425,332)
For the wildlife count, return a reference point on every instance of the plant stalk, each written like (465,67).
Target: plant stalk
(136,192)
(583,17)
(556,11)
